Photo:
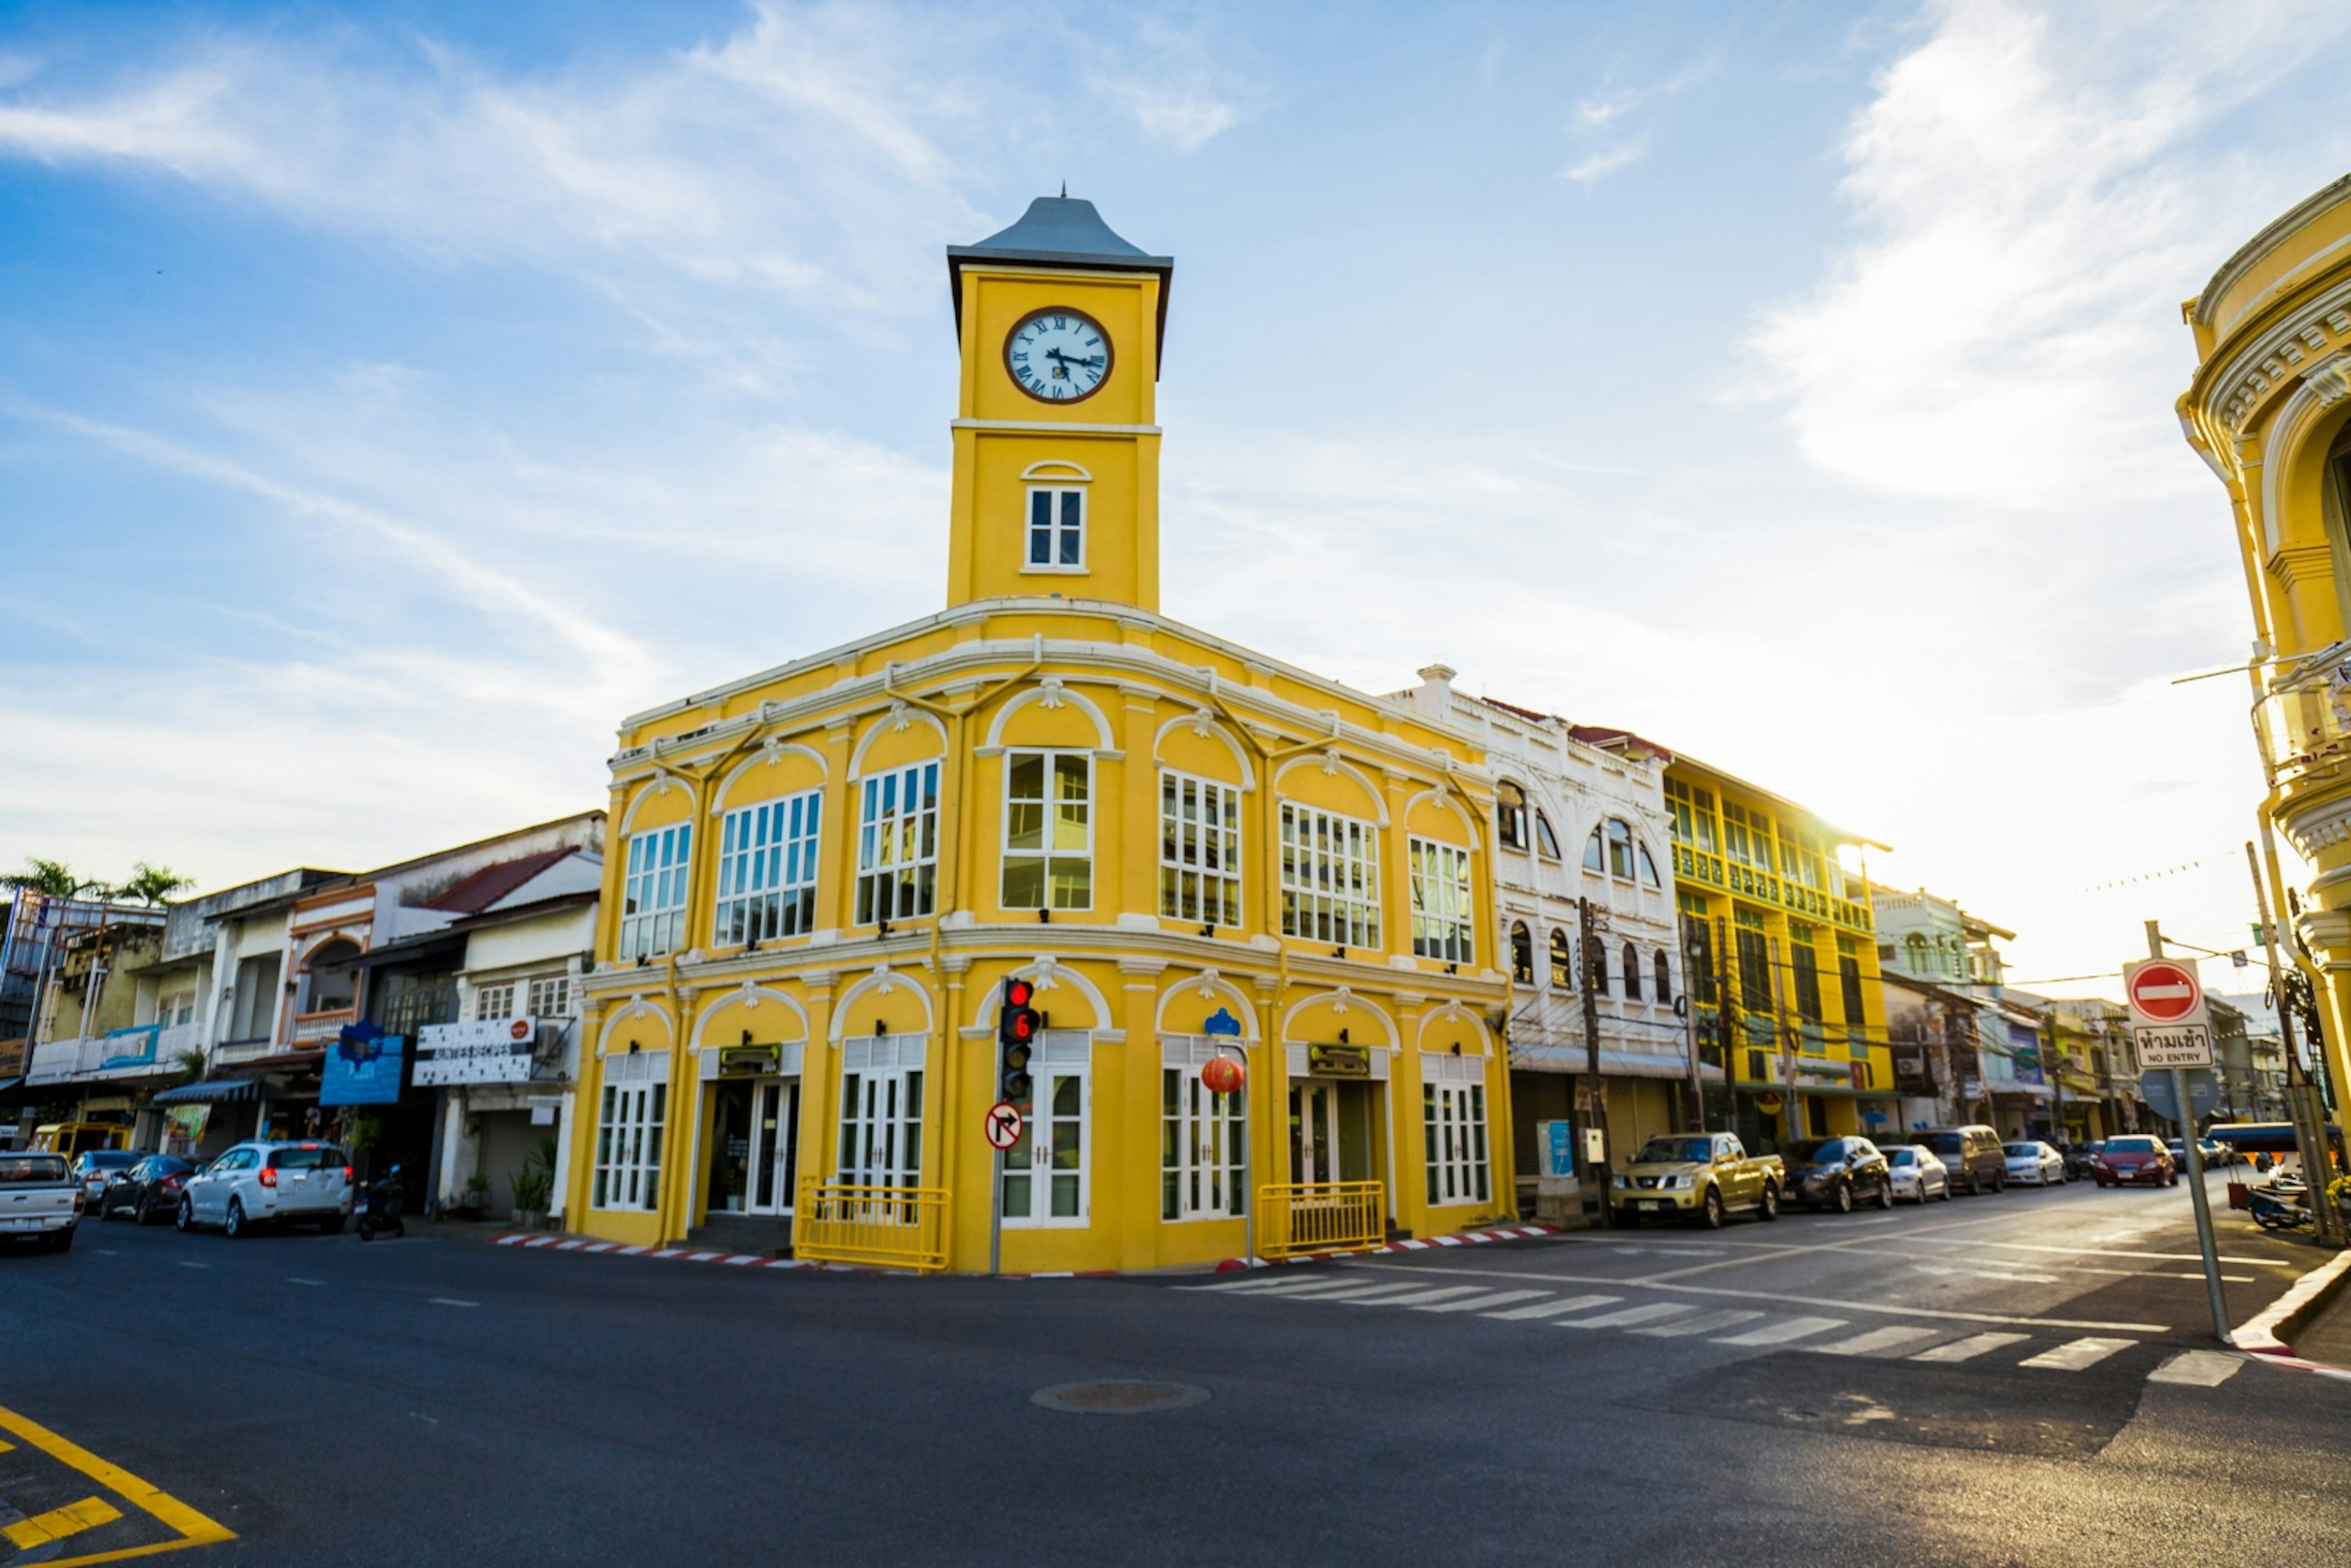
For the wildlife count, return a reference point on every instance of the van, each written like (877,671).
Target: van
(80,1137)
(1977,1160)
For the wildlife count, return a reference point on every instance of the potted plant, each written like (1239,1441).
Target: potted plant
(534,1186)
(477,1195)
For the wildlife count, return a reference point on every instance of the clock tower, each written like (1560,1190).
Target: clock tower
(1056,448)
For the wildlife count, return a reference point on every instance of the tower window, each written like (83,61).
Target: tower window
(1056,529)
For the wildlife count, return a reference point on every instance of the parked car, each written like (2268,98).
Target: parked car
(1918,1173)
(41,1201)
(1698,1176)
(307,1183)
(148,1190)
(1837,1173)
(2035,1164)
(2211,1153)
(1976,1160)
(2081,1159)
(2134,1160)
(99,1167)
(73,1137)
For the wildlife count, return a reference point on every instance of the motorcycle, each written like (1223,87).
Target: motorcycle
(381,1212)
(2281,1205)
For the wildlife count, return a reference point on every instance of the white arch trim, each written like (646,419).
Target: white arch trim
(1452,801)
(883,981)
(1213,984)
(899,717)
(1050,973)
(1053,692)
(661,783)
(1331,762)
(1345,1002)
(753,995)
(1063,468)
(1201,724)
(1453,1012)
(772,753)
(635,1012)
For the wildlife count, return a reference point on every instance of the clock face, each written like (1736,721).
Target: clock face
(1057,355)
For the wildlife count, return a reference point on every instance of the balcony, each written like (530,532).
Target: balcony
(2301,724)
(313,1028)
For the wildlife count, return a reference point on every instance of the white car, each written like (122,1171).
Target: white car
(1918,1173)
(307,1183)
(2035,1164)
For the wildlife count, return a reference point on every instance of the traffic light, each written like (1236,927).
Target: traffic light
(1016,1035)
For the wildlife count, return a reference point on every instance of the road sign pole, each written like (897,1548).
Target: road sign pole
(996,1214)
(2196,1193)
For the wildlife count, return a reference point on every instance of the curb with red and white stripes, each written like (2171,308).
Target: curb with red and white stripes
(754,1260)
(1457,1239)
(2259,1335)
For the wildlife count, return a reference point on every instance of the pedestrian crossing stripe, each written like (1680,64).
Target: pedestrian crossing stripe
(1642,1314)
(1969,1348)
(1704,1322)
(1553,1309)
(2075,1354)
(1875,1340)
(1783,1332)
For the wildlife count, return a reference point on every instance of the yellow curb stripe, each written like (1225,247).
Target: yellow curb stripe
(196,1529)
(59,1522)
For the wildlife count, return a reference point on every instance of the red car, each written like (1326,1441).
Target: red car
(2134,1162)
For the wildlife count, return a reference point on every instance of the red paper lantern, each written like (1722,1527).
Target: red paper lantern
(1222,1076)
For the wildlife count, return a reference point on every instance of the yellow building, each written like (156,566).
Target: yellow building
(1782,961)
(824,872)
(2269,410)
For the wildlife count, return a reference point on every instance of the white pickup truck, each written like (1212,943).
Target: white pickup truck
(40,1201)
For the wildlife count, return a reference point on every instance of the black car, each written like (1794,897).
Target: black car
(149,1190)
(1837,1173)
(2082,1159)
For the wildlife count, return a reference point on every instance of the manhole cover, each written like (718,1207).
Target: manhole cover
(1119,1397)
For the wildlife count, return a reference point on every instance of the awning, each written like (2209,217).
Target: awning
(220,1091)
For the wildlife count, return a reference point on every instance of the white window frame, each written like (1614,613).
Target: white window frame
(882,1106)
(633,1113)
(1035,1163)
(767,869)
(1203,1168)
(653,890)
(1454,1147)
(1444,909)
(1047,854)
(496,1001)
(1330,877)
(1199,849)
(547,996)
(1060,536)
(898,844)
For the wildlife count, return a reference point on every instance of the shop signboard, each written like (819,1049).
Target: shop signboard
(479,1051)
(362,1072)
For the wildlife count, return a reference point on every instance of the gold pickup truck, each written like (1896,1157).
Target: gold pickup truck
(1696,1175)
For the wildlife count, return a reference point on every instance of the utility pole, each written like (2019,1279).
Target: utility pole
(1786,1039)
(2202,1200)
(1724,1013)
(1595,969)
(1690,1026)
(2309,1134)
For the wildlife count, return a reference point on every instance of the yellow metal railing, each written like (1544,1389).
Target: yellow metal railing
(885,1227)
(1320,1216)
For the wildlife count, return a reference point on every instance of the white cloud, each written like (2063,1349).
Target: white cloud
(1185,119)
(1598,166)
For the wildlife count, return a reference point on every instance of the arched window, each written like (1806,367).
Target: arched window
(1631,972)
(1649,866)
(1562,962)
(1595,968)
(1620,848)
(1593,855)
(1664,978)
(331,977)
(1546,842)
(1522,954)
(1510,815)
(1913,955)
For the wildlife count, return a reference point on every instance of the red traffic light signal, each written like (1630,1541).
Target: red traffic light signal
(1017,1024)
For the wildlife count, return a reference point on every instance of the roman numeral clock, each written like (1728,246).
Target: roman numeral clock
(1057,355)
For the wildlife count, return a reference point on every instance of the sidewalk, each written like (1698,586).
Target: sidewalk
(2328,1338)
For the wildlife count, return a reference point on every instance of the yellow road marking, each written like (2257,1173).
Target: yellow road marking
(194,1529)
(61,1523)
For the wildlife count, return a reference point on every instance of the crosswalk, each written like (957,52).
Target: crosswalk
(1941,1343)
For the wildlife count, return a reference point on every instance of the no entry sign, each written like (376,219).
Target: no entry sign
(2170,1023)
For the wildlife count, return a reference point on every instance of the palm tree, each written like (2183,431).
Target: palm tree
(53,878)
(153,885)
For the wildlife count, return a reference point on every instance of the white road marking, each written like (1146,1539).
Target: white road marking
(1447,1293)
(1704,1322)
(1969,1348)
(1782,1331)
(2198,1368)
(1874,1341)
(1262,1283)
(295,1280)
(451,1302)
(186,1264)
(1643,1314)
(1552,1309)
(1479,1303)
(1356,1293)
(2075,1354)
(106,1252)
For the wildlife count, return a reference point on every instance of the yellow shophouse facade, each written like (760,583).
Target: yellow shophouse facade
(823,874)
(2269,410)
(1781,960)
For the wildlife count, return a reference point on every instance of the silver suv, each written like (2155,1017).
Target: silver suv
(307,1183)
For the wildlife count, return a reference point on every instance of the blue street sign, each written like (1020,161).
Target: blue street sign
(2203,1092)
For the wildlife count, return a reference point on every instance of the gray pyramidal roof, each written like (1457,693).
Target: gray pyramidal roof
(1061,232)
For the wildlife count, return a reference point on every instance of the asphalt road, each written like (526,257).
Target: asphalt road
(1986,1381)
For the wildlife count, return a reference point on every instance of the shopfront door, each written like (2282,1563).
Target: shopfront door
(754,1145)
(1329,1130)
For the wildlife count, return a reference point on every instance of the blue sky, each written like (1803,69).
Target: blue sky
(392,397)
